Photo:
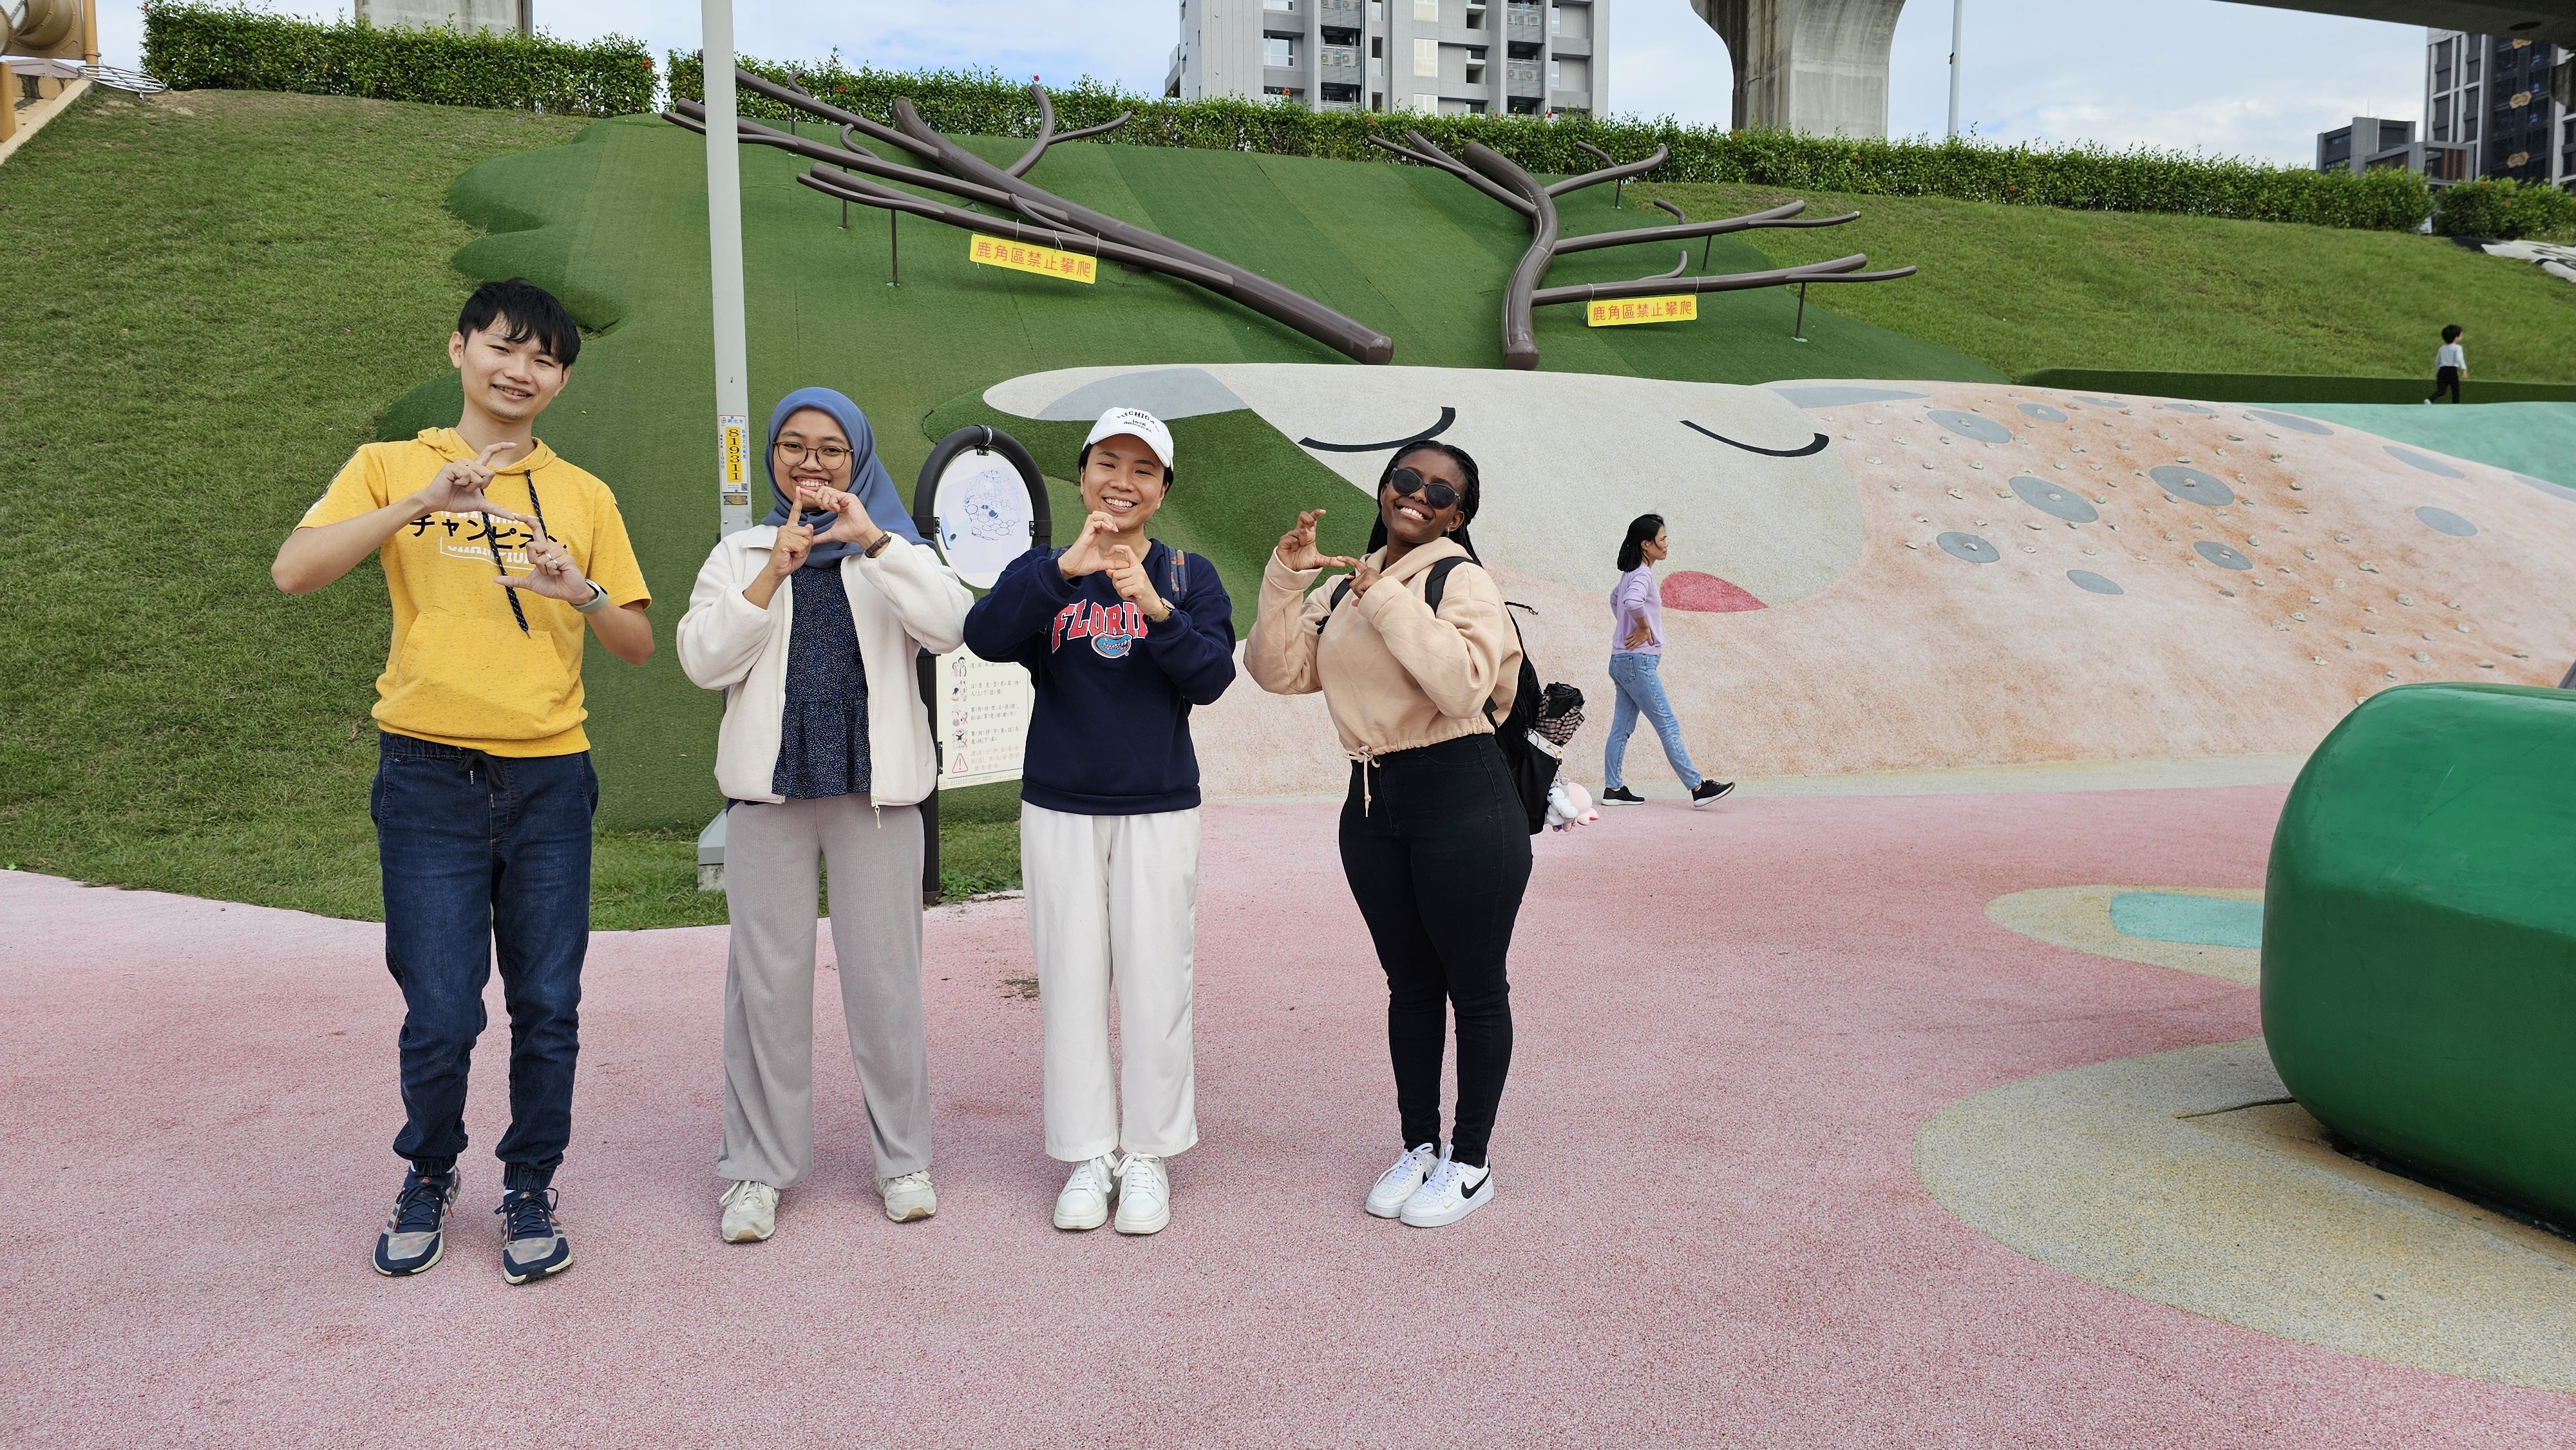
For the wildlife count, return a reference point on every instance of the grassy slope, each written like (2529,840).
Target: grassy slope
(2025,287)
(617,223)
(222,307)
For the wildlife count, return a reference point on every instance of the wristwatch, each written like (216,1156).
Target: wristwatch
(597,601)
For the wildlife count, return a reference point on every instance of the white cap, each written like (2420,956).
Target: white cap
(1138,422)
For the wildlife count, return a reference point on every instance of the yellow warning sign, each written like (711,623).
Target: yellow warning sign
(1627,311)
(1022,257)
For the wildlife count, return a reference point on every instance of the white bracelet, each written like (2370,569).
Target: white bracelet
(597,601)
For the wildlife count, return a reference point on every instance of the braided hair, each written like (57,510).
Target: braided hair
(1468,498)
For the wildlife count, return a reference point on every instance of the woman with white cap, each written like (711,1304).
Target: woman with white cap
(809,624)
(1122,635)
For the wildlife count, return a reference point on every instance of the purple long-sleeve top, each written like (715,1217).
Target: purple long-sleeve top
(1633,600)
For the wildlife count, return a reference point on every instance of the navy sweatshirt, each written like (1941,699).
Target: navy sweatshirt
(1109,734)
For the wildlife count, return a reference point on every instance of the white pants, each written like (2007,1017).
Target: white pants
(1113,903)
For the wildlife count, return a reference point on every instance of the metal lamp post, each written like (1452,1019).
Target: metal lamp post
(732,350)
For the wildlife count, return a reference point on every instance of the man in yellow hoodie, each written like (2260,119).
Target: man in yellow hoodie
(500,557)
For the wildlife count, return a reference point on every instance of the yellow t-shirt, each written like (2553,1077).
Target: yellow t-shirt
(459,671)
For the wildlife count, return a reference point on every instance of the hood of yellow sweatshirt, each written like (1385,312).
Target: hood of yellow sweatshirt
(452,446)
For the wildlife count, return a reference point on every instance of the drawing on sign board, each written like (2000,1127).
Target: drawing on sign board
(983,510)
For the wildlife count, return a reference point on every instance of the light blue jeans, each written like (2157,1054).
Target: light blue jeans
(1642,693)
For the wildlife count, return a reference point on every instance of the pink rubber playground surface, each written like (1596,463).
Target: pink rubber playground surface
(1731,1024)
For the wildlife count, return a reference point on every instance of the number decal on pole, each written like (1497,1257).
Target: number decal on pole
(730,432)
(1023,257)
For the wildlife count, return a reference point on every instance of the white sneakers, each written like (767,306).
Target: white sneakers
(1144,1195)
(908,1197)
(1084,1204)
(750,1212)
(1429,1192)
(1139,1182)
(1396,1184)
(751,1209)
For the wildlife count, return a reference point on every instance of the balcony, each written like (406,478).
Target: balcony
(1524,25)
(1337,65)
(1524,79)
(1342,14)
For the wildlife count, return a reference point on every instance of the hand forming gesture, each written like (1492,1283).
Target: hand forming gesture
(1084,555)
(1127,576)
(850,523)
(551,572)
(787,554)
(1297,547)
(458,488)
(1363,577)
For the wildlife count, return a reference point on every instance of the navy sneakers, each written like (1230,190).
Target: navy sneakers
(415,1235)
(533,1245)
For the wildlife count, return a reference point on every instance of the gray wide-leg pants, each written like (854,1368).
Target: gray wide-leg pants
(771,854)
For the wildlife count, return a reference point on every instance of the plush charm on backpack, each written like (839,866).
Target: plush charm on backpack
(1569,804)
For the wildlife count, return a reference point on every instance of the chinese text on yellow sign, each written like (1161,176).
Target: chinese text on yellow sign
(1022,257)
(1631,310)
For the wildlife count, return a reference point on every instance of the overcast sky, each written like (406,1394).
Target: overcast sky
(2188,74)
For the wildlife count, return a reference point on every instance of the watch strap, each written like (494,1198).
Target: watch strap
(597,601)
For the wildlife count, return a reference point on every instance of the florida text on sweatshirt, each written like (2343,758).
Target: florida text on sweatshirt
(1109,734)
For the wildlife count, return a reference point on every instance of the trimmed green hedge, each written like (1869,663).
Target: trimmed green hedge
(2283,387)
(196,46)
(2088,178)
(2505,210)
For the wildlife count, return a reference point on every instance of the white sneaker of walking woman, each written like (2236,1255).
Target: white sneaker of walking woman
(908,1196)
(1387,1198)
(1452,1192)
(750,1212)
(1084,1204)
(1144,1195)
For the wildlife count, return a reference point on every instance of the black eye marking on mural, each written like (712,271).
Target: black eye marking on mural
(1447,417)
(1815,445)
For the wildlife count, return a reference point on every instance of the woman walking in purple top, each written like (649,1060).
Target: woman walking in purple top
(1636,649)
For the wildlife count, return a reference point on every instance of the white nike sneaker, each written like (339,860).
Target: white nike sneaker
(1396,1184)
(1084,1204)
(1452,1192)
(750,1212)
(1144,1195)
(908,1196)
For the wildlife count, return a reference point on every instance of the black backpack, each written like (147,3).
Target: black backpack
(1531,762)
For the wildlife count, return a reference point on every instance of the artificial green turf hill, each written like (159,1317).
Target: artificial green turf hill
(616,223)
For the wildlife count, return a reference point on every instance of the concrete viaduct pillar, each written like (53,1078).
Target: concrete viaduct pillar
(1808,65)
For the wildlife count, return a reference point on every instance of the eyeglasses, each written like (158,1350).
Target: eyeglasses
(1406,482)
(830,455)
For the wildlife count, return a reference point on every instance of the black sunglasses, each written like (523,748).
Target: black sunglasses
(1406,482)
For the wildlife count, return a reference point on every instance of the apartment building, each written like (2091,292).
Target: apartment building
(2502,101)
(1456,57)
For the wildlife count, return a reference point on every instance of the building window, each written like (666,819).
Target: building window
(2469,112)
(1425,103)
(1278,50)
(1279,4)
(1555,74)
(1426,57)
(1427,10)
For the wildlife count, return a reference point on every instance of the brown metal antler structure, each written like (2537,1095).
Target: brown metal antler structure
(1508,182)
(850,171)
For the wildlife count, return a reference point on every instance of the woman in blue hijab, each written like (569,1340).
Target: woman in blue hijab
(809,623)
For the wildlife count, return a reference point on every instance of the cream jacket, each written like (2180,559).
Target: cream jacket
(1394,675)
(903,599)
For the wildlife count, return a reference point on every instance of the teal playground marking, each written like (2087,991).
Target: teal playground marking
(2210,921)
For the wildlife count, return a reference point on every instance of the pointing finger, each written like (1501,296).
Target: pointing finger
(484,459)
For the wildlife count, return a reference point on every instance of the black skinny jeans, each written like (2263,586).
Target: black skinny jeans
(1437,860)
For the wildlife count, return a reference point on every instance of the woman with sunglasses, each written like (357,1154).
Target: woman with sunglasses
(809,623)
(1434,840)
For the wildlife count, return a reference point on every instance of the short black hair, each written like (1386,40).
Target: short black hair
(1082,461)
(526,310)
(1641,531)
(2451,333)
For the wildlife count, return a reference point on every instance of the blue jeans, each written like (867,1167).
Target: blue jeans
(483,850)
(1641,693)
